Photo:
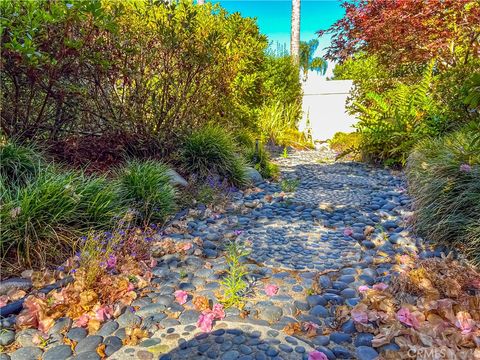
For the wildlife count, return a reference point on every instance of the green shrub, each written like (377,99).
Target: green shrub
(394,122)
(211,151)
(145,187)
(19,165)
(345,145)
(444,181)
(289,185)
(137,67)
(244,138)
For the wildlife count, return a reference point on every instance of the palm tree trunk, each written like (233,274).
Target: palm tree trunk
(295,31)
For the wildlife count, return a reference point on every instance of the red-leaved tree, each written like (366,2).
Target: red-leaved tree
(408,31)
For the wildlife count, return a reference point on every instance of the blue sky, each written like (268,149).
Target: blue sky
(273,17)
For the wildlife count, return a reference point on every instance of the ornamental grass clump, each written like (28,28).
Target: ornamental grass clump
(20,165)
(211,151)
(40,216)
(145,187)
(40,220)
(444,181)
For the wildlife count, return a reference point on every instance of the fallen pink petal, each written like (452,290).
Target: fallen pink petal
(464,322)
(406,317)
(317,355)
(271,289)
(205,321)
(218,311)
(181,296)
(363,288)
(380,286)
(82,321)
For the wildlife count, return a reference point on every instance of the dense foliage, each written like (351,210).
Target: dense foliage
(411,63)
(444,177)
(403,32)
(141,74)
(345,145)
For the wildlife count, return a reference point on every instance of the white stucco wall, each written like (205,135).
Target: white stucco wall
(324,101)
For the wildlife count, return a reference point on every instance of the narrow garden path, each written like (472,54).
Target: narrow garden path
(339,229)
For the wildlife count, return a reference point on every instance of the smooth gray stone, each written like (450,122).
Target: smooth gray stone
(366,353)
(176,179)
(128,318)
(6,337)
(90,343)
(189,317)
(26,353)
(60,352)
(319,311)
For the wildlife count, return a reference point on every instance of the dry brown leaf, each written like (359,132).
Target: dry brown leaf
(244,314)
(292,328)
(101,351)
(69,342)
(93,326)
(201,303)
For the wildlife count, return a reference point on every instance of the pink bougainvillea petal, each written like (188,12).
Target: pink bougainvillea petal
(271,289)
(205,321)
(359,316)
(218,311)
(181,296)
(363,288)
(317,355)
(104,313)
(464,322)
(309,326)
(380,286)
(82,321)
(407,318)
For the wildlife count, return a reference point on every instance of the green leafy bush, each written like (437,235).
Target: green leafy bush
(234,284)
(19,164)
(444,179)
(145,69)
(289,185)
(394,122)
(145,187)
(211,151)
